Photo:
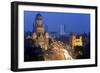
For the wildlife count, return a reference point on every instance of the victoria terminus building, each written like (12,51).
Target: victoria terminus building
(43,45)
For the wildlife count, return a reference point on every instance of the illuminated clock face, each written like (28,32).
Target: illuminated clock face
(39,22)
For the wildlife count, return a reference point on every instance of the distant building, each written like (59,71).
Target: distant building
(53,34)
(62,29)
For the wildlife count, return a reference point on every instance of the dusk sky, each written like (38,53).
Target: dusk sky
(74,22)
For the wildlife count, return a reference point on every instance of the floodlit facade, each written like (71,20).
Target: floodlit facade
(40,36)
(76,40)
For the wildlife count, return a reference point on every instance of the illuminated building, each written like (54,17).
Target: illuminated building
(40,36)
(76,40)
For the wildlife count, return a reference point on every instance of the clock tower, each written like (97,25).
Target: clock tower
(40,36)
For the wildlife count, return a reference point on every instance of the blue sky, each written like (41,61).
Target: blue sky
(74,22)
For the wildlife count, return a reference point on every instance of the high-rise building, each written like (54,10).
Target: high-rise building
(62,29)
